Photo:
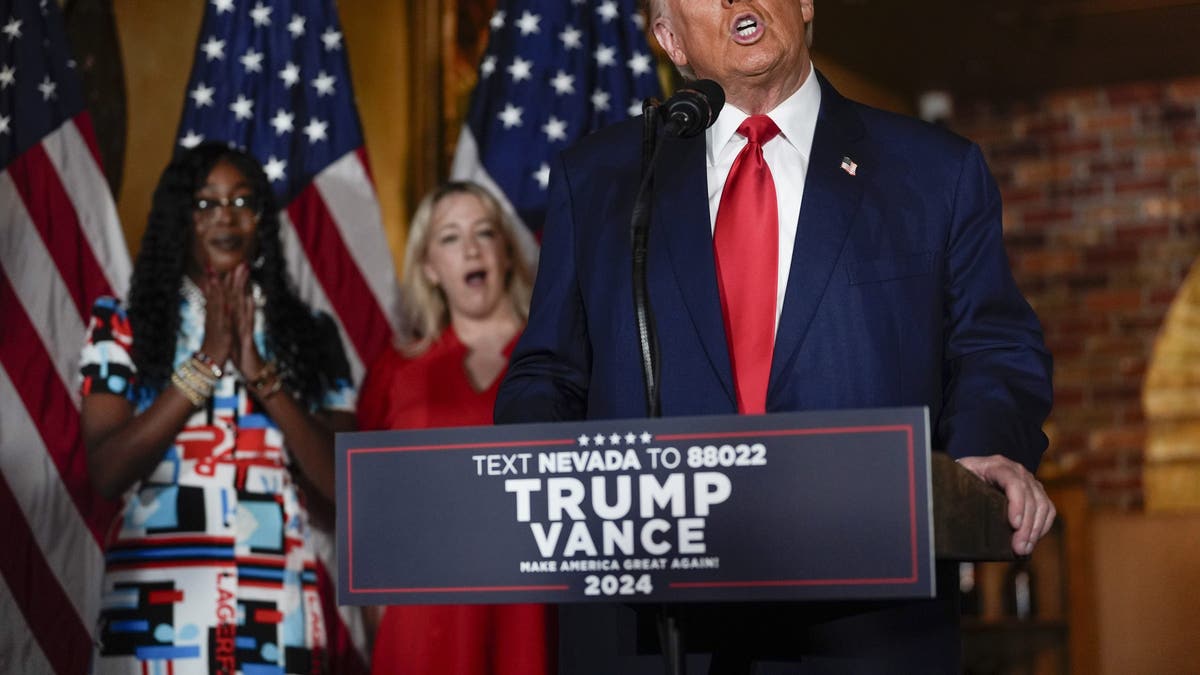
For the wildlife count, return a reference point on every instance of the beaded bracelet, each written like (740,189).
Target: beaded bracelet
(205,361)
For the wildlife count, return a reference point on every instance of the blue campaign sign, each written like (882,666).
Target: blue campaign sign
(799,506)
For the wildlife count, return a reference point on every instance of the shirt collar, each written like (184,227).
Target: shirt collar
(796,118)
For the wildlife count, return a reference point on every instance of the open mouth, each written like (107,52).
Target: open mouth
(476,278)
(227,243)
(747,28)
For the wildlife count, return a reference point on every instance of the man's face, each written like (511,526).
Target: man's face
(737,43)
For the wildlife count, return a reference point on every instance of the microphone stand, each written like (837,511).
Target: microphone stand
(670,635)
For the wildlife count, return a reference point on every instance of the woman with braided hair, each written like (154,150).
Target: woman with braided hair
(208,403)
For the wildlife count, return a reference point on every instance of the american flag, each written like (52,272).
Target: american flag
(61,246)
(554,71)
(272,76)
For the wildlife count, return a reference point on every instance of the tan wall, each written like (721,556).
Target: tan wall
(1147,581)
(158,40)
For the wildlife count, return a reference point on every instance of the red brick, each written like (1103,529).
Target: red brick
(1184,91)
(1120,165)
(1158,184)
(1113,300)
(1110,255)
(1147,92)
(1139,232)
(1108,121)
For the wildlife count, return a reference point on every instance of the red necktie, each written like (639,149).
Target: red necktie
(746,248)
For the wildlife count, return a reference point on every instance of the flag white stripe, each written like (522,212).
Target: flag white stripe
(65,540)
(310,290)
(467,167)
(85,185)
(350,198)
(40,287)
(19,651)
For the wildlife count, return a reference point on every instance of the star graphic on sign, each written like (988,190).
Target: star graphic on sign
(296,26)
(202,95)
(13,29)
(4,124)
(223,6)
(520,69)
(252,61)
(571,38)
(639,20)
(488,66)
(604,55)
(599,439)
(274,168)
(600,99)
(315,130)
(510,116)
(639,64)
(528,23)
(646,437)
(583,440)
(261,15)
(290,75)
(542,176)
(8,77)
(563,83)
(614,439)
(607,10)
(48,88)
(213,49)
(332,39)
(630,438)
(555,129)
(497,20)
(191,139)
(243,108)
(324,84)
(635,107)
(283,122)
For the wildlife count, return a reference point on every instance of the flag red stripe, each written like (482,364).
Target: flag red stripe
(29,367)
(52,213)
(343,281)
(48,612)
(83,122)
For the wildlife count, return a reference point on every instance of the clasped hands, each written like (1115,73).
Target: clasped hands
(1030,511)
(229,321)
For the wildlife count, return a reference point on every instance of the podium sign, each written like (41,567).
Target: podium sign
(796,506)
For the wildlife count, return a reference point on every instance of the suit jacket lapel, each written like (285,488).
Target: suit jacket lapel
(831,199)
(681,214)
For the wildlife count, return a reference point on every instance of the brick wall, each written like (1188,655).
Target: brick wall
(1102,219)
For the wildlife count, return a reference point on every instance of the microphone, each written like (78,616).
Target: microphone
(693,108)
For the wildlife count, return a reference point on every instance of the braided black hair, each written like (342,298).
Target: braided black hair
(304,344)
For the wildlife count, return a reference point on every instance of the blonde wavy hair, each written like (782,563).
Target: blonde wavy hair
(425,311)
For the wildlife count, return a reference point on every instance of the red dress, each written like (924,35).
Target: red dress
(434,390)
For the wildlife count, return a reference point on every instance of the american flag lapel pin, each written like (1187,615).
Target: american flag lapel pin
(849,166)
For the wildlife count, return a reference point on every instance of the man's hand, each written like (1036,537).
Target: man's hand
(1030,511)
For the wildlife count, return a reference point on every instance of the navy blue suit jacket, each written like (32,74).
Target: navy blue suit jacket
(900,292)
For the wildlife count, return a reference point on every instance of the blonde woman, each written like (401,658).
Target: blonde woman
(466,297)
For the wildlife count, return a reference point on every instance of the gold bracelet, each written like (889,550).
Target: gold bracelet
(267,382)
(199,379)
(195,397)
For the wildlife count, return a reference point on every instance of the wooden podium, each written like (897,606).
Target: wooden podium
(970,519)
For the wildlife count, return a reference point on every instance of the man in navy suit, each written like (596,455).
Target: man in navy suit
(891,288)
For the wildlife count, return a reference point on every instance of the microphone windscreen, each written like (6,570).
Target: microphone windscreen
(715,95)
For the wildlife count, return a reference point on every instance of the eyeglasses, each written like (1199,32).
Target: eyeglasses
(242,206)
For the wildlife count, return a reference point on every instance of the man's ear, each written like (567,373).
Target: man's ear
(665,34)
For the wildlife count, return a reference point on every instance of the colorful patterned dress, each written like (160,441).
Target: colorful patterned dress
(210,567)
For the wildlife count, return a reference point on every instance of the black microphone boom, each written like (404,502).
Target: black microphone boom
(693,108)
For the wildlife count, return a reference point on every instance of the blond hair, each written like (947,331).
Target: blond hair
(426,313)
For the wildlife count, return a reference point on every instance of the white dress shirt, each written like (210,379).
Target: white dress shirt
(787,156)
